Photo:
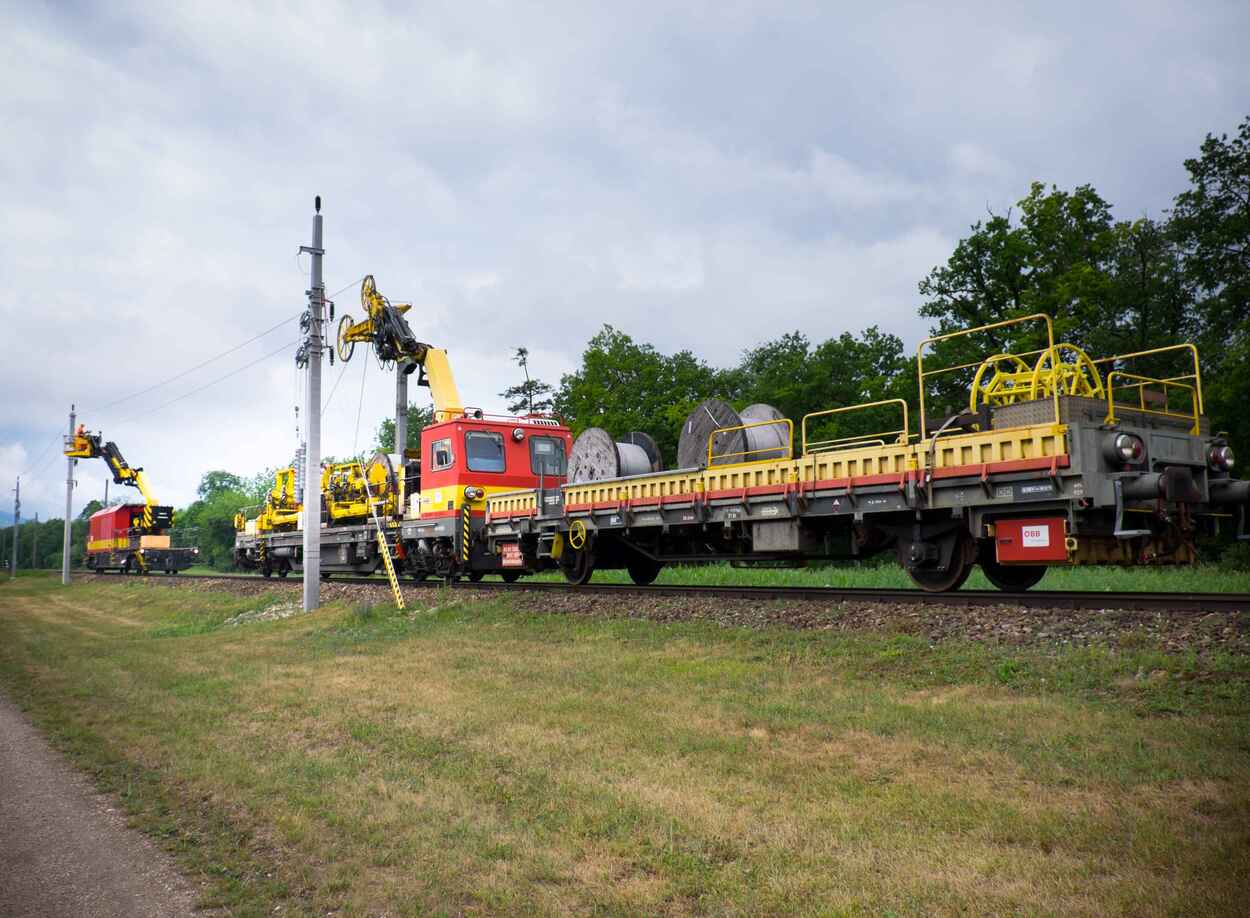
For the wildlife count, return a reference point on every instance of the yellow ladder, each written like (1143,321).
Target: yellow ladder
(384,548)
(390,567)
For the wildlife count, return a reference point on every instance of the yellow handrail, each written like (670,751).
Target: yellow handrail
(1140,386)
(1196,375)
(902,435)
(920,370)
(789,441)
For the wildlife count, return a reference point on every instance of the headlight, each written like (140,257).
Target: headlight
(1125,449)
(1220,457)
(472,493)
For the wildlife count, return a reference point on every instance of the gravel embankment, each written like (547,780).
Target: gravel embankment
(1006,624)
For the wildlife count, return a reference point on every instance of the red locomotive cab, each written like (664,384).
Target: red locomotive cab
(466,458)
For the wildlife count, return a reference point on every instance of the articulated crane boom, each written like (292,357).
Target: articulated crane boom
(86,445)
(388,332)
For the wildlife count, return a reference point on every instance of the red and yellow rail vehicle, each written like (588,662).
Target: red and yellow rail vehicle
(430,507)
(131,538)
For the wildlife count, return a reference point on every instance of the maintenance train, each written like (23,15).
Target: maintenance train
(1060,459)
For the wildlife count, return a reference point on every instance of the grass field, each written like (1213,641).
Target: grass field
(466,757)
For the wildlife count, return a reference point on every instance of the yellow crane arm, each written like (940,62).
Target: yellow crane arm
(84,445)
(442,383)
(386,330)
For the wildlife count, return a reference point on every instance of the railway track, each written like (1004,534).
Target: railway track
(1038,599)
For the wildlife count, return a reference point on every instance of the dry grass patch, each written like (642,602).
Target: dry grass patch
(472,759)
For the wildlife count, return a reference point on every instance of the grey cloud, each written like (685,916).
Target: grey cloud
(703,177)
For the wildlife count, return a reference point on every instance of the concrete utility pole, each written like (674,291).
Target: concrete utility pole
(34,544)
(69,506)
(17,519)
(311,352)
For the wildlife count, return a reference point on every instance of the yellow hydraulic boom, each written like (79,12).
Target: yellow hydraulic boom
(86,445)
(385,328)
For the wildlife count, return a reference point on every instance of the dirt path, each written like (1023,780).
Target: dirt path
(65,849)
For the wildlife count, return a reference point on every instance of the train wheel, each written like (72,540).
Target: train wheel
(510,576)
(284,571)
(643,570)
(266,571)
(582,568)
(942,581)
(1011,578)
(476,576)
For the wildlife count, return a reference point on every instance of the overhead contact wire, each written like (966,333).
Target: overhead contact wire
(198,366)
(185,395)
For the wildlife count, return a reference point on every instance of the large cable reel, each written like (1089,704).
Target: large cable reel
(744,436)
(596,456)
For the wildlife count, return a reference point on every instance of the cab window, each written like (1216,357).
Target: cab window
(484,450)
(441,456)
(547,456)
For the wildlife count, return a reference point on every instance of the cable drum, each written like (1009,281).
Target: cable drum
(749,444)
(596,456)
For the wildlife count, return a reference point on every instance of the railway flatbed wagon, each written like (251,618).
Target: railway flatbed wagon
(1062,460)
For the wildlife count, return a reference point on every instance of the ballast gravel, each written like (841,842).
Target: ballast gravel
(1175,631)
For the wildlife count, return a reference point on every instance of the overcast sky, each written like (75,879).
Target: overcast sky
(701,176)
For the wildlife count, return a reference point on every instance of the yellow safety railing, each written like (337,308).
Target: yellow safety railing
(1140,383)
(900,436)
(1195,377)
(788,447)
(922,374)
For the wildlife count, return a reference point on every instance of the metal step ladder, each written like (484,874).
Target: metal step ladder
(384,548)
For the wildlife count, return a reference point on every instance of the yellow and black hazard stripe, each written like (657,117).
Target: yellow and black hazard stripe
(466,513)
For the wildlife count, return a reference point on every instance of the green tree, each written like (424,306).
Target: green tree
(216,482)
(1211,224)
(622,386)
(209,521)
(419,418)
(532,396)
(797,379)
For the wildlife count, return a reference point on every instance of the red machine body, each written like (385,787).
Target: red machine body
(494,454)
(109,528)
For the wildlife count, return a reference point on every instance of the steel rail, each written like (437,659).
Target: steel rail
(1036,599)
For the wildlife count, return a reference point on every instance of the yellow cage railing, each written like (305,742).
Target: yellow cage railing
(1191,381)
(922,374)
(899,436)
